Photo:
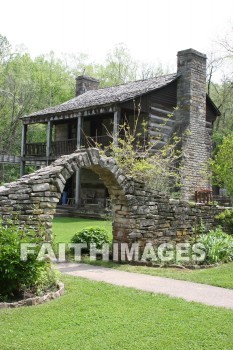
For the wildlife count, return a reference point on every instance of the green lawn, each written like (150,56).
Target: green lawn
(65,228)
(94,315)
(221,276)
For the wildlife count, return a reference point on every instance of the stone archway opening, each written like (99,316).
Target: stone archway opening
(112,178)
(85,195)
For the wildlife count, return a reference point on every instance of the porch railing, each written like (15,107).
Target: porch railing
(64,147)
(37,149)
(59,148)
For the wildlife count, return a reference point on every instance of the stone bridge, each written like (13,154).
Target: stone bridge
(139,213)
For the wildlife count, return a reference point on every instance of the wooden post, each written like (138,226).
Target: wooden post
(77,179)
(49,141)
(78,188)
(79,126)
(23,149)
(116,122)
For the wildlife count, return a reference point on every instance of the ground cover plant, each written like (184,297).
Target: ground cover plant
(94,315)
(218,246)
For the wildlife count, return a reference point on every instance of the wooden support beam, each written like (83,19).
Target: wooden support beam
(23,149)
(87,112)
(116,121)
(79,127)
(78,188)
(49,141)
(77,176)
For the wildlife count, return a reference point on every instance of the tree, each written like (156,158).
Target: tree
(120,67)
(222,92)
(222,165)
(5,48)
(27,85)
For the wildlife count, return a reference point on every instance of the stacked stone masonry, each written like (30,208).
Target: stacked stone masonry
(139,213)
(191,121)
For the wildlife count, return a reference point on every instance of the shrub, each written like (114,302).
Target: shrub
(226,220)
(218,245)
(90,235)
(16,275)
(133,153)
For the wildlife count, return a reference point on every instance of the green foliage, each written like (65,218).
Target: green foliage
(4,48)
(16,275)
(226,219)
(135,155)
(119,68)
(222,165)
(199,229)
(222,97)
(8,173)
(218,246)
(95,235)
(27,85)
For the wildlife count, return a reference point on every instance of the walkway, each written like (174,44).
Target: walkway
(5,158)
(209,295)
(8,159)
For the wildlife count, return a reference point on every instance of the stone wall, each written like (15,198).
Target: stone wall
(139,213)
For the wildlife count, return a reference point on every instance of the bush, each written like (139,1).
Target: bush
(132,153)
(226,220)
(16,275)
(219,246)
(90,235)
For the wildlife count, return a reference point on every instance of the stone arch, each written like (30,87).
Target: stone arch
(32,199)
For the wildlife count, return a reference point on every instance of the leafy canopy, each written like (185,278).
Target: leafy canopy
(222,165)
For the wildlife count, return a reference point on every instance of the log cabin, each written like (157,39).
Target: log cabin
(86,118)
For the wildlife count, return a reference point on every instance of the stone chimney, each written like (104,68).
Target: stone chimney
(191,121)
(84,84)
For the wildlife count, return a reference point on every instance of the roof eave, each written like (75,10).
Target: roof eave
(213,106)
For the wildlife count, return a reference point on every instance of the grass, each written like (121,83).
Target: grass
(221,276)
(94,315)
(64,228)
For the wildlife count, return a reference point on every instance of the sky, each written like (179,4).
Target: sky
(153,30)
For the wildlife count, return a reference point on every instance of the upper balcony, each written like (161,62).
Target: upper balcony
(59,148)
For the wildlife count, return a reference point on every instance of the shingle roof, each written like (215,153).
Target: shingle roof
(105,96)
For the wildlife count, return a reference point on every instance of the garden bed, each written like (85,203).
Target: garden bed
(35,300)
